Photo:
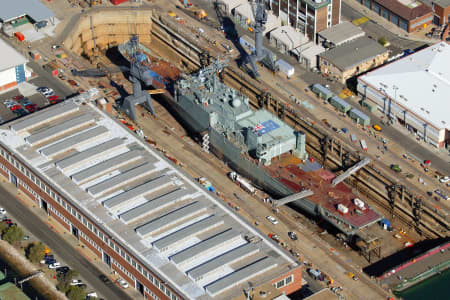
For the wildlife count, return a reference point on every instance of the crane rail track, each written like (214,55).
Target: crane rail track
(281,108)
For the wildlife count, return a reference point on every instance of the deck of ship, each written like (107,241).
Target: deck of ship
(299,176)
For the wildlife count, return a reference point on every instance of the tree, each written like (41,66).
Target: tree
(13,234)
(76,293)
(3,227)
(64,280)
(36,252)
(382,40)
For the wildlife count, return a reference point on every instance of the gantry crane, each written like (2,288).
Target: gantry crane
(260,53)
(140,74)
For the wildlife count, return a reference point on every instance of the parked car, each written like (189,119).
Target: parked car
(42,89)
(62,270)
(49,261)
(105,279)
(54,265)
(53,98)
(73,82)
(377,127)
(123,283)
(91,295)
(18,98)
(15,106)
(292,235)
(76,282)
(272,220)
(444,179)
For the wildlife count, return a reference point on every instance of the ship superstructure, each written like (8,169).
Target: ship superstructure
(214,105)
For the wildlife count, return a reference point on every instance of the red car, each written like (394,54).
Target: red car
(15,107)
(31,108)
(17,98)
(52,98)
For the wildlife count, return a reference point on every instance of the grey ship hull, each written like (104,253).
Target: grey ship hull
(197,122)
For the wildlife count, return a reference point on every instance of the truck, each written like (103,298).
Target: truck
(244,184)
(363,145)
(396,168)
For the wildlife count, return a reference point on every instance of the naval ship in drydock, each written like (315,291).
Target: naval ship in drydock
(259,146)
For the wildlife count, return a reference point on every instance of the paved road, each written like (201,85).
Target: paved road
(64,250)
(376,31)
(418,149)
(61,89)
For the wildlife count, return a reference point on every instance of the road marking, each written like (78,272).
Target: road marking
(360,21)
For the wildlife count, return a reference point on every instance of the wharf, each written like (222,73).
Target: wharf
(418,268)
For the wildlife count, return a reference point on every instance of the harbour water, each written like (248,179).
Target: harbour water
(436,287)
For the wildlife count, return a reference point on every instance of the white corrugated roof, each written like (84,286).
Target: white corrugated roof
(423,78)
(91,176)
(341,33)
(10,57)
(289,36)
(33,8)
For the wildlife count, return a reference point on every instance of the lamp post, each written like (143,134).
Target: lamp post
(383,90)
(404,111)
(395,88)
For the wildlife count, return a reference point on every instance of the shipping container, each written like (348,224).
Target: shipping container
(358,202)
(19,36)
(342,208)
(340,104)
(370,107)
(285,68)
(117,2)
(35,55)
(322,91)
(363,145)
(359,117)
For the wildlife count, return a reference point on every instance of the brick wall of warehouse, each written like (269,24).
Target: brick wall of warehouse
(90,234)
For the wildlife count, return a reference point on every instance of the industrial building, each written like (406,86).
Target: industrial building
(13,69)
(408,15)
(340,34)
(352,58)
(18,11)
(414,91)
(308,16)
(286,38)
(142,216)
(441,9)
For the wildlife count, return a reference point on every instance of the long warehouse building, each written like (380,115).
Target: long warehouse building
(141,215)
(414,91)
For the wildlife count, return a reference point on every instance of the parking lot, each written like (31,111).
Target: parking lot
(19,105)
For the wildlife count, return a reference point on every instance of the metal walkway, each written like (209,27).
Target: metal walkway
(351,170)
(294,197)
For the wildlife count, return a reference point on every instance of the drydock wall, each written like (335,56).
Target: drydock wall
(105,28)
